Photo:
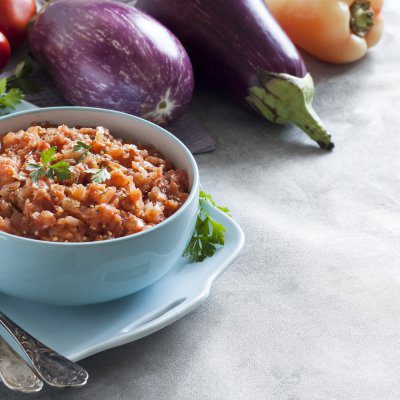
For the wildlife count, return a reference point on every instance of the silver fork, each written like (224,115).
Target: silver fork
(15,373)
(52,367)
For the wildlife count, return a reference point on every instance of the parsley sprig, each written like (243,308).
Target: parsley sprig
(208,235)
(85,148)
(59,170)
(21,77)
(99,175)
(13,87)
(10,98)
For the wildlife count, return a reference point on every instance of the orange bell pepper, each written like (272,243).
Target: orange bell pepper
(337,31)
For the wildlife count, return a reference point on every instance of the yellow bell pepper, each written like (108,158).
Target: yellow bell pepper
(337,31)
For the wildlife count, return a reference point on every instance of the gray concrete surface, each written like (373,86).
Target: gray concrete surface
(311,308)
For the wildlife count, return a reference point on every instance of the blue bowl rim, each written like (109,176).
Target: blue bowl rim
(193,191)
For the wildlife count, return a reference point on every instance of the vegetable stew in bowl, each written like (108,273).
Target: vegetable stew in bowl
(61,175)
(66,184)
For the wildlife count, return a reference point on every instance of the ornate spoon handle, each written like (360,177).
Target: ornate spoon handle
(15,373)
(52,367)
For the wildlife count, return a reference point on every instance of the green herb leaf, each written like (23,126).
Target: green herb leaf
(218,232)
(11,98)
(22,69)
(3,85)
(208,198)
(16,84)
(48,155)
(61,170)
(37,173)
(50,174)
(81,146)
(99,175)
(32,167)
(208,234)
(21,77)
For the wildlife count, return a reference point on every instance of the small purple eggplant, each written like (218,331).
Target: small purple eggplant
(102,53)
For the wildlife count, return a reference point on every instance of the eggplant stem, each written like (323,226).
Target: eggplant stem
(283,98)
(361,17)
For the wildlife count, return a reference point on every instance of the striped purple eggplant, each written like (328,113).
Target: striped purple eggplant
(102,53)
(239,45)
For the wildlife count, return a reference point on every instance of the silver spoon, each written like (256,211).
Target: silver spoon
(15,373)
(52,367)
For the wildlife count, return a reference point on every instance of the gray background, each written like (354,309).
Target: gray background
(310,310)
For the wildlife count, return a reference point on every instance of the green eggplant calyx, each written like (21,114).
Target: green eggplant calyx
(361,17)
(283,98)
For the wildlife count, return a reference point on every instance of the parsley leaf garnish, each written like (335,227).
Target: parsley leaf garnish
(207,197)
(99,175)
(208,234)
(82,146)
(37,172)
(11,98)
(47,156)
(12,87)
(21,77)
(59,170)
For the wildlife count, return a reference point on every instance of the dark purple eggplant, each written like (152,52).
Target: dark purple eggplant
(107,54)
(239,45)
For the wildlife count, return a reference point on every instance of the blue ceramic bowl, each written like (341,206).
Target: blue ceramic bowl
(87,273)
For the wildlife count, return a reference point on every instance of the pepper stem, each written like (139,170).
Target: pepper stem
(361,17)
(283,98)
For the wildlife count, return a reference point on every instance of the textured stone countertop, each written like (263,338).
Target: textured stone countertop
(311,308)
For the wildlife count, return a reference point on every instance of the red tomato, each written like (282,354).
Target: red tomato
(14,18)
(5,51)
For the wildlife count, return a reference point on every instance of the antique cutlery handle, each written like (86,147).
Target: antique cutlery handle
(52,367)
(15,373)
